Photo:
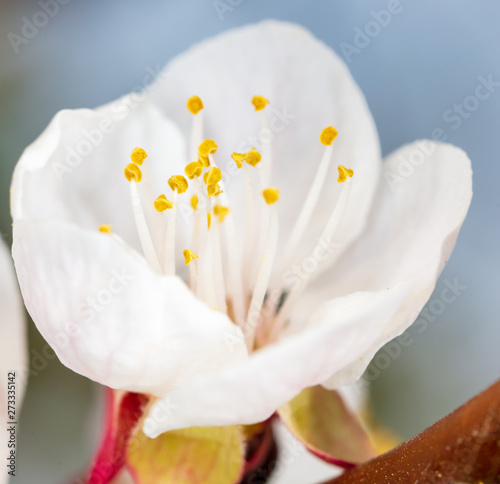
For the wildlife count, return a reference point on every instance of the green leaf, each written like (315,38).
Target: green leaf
(320,419)
(198,455)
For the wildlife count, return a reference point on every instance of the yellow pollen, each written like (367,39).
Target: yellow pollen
(189,256)
(344,173)
(213,190)
(214,176)
(203,160)
(209,220)
(133,172)
(221,212)
(239,158)
(253,157)
(161,203)
(271,195)
(179,183)
(138,156)
(259,102)
(106,229)
(207,147)
(194,202)
(328,135)
(193,170)
(194,104)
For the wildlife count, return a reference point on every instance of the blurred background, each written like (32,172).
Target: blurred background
(419,72)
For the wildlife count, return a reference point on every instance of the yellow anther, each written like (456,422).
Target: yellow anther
(259,102)
(106,229)
(221,212)
(214,176)
(271,195)
(161,203)
(194,104)
(179,183)
(328,135)
(138,156)
(193,170)
(194,202)
(213,190)
(209,220)
(207,147)
(344,173)
(253,157)
(239,158)
(133,172)
(189,256)
(203,160)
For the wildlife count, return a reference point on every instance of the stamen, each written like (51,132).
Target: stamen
(138,156)
(221,212)
(194,202)
(169,251)
(239,158)
(178,183)
(209,220)
(271,196)
(140,219)
(189,256)
(327,136)
(161,203)
(259,102)
(325,239)
(207,147)
(193,170)
(106,229)
(214,190)
(203,160)
(194,104)
(344,173)
(234,261)
(213,176)
(133,172)
(253,157)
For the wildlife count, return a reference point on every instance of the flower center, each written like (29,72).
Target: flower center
(236,280)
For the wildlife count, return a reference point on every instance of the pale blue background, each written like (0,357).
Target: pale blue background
(428,58)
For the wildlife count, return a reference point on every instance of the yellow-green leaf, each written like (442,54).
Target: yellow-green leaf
(320,419)
(198,455)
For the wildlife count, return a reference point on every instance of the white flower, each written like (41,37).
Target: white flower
(13,355)
(353,263)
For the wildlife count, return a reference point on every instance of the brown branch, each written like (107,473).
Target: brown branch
(462,447)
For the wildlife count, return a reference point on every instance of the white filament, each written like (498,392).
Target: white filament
(169,260)
(142,228)
(261,285)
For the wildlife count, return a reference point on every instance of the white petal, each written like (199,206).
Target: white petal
(251,392)
(411,234)
(303,79)
(109,317)
(74,170)
(13,342)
